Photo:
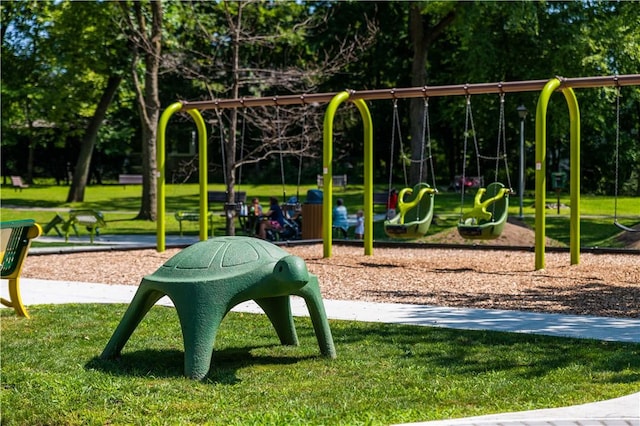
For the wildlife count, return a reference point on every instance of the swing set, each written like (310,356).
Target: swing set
(546,88)
(487,218)
(291,229)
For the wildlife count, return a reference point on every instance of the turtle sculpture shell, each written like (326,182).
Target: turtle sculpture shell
(224,258)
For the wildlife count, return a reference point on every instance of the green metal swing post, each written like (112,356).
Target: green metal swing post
(327,173)
(541,171)
(202,170)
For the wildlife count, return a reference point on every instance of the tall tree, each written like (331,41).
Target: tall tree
(143,27)
(89,28)
(81,170)
(426,24)
(57,58)
(26,56)
(259,48)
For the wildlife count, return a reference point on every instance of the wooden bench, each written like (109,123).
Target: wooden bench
(17,183)
(125,179)
(191,216)
(15,239)
(338,180)
(91,219)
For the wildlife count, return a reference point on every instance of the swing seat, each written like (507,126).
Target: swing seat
(414,214)
(488,217)
(624,227)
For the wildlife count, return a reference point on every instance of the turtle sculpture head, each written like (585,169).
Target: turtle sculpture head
(289,273)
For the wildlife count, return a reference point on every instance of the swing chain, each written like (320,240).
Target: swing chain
(428,125)
(617,153)
(393,142)
(502,140)
(464,153)
(425,128)
(220,116)
(279,136)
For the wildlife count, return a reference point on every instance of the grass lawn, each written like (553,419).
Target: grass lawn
(52,374)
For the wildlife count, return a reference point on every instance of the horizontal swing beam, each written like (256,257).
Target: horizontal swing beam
(416,92)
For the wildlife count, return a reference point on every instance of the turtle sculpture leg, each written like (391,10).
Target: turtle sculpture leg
(312,297)
(138,308)
(201,308)
(278,309)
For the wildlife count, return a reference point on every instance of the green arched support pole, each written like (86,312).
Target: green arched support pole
(327,172)
(541,170)
(161,157)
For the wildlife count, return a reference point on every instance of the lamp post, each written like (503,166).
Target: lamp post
(522,112)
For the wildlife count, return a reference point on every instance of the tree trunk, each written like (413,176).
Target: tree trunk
(422,37)
(32,144)
(637,168)
(418,78)
(230,146)
(148,99)
(81,171)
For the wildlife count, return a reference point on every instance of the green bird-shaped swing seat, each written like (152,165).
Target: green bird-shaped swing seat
(415,212)
(488,217)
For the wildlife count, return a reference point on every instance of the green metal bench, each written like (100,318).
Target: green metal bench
(91,219)
(15,239)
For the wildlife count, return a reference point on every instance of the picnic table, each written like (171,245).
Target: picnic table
(93,220)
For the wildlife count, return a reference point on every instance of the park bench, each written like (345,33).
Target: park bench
(126,179)
(17,183)
(221,197)
(191,216)
(213,197)
(338,180)
(91,219)
(15,239)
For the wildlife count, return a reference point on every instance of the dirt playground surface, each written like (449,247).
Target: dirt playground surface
(602,284)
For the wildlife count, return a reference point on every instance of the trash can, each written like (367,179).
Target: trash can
(312,215)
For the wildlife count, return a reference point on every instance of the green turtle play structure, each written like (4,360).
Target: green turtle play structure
(205,280)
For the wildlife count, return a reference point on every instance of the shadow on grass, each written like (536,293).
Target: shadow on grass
(170,363)
(475,353)
(8,202)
